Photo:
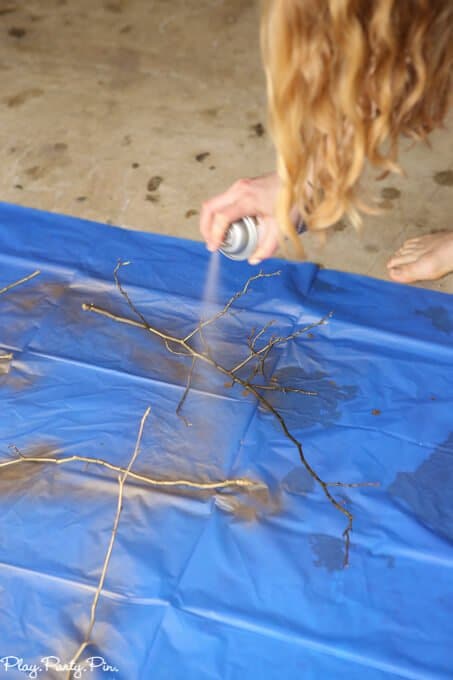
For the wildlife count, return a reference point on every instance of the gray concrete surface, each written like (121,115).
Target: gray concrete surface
(100,97)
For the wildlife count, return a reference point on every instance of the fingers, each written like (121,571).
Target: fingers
(246,197)
(218,213)
(222,219)
(268,242)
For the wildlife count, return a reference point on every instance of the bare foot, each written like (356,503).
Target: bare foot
(423,259)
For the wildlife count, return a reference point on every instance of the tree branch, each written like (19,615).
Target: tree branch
(20,282)
(232,373)
(184,396)
(230,303)
(121,480)
(242,483)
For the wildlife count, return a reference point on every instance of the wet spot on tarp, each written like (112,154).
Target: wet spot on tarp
(302,410)
(325,287)
(298,481)
(439,318)
(328,552)
(428,491)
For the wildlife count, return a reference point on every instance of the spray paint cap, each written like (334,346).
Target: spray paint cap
(241,239)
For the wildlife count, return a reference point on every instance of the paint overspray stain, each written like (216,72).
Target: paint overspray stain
(250,504)
(32,300)
(439,318)
(16,375)
(328,552)
(24,475)
(29,298)
(428,491)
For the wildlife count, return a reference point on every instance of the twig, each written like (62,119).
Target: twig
(279,340)
(353,485)
(18,283)
(285,390)
(259,366)
(206,348)
(240,482)
(9,356)
(255,338)
(121,480)
(229,304)
(123,292)
(184,396)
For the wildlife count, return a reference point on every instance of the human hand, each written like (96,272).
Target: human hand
(247,197)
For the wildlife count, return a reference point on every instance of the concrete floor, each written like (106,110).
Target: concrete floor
(133,111)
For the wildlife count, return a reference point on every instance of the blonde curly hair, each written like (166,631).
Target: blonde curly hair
(345,79)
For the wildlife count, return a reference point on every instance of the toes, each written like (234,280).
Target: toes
(401,258)
(406,249)
(424,258)
(411,248)
(412,241)
(418,270)
(403,274)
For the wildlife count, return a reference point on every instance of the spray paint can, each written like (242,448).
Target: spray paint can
(241,238)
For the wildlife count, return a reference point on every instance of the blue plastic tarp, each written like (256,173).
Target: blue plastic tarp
(220,585)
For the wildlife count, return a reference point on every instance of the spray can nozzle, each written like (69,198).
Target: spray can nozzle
(241,239)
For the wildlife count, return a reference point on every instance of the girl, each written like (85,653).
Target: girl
(345,78)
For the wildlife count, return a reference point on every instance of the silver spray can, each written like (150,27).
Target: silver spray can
(241,238)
